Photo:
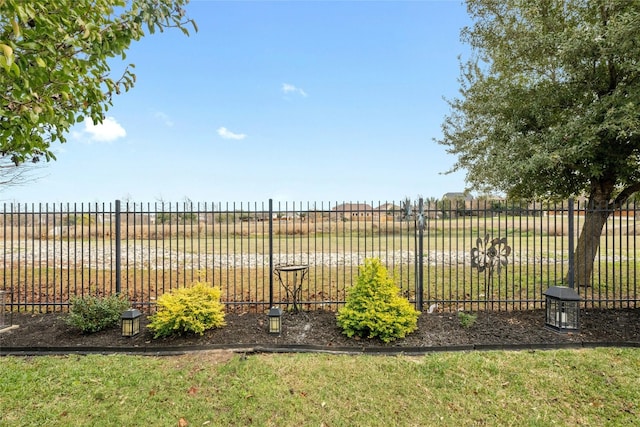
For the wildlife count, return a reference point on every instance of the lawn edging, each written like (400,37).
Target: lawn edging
(255,349)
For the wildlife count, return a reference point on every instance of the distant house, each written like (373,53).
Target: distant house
(354,211)
(457,196)
(388,208)
(462,203)
(389,211)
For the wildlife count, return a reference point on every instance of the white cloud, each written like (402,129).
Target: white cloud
(108,130)
(288,88)
(227,134)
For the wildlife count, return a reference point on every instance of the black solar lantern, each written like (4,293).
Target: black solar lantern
(275,320)
(130,321)
(562,309)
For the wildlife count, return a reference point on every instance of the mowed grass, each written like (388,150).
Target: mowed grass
(560,387)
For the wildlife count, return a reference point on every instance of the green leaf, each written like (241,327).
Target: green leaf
(81,38)
(7,50)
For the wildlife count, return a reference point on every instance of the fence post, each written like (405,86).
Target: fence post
(270,253)
(570,273)
(118,250)
(419,276)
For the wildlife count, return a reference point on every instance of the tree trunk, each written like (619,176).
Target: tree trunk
(588,244)
(597,212)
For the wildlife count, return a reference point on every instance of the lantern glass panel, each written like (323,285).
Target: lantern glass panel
(130,322)
(562,310)
(274,325)
(275,320)
(570,315)
(127,327)
(551,312)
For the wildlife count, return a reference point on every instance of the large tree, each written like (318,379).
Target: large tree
(550,105)
(55,64)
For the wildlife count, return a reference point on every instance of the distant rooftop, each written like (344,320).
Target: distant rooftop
(457,196)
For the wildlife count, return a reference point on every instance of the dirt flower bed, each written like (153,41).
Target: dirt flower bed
(319,328)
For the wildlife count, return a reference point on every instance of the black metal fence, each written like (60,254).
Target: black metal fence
(469,255)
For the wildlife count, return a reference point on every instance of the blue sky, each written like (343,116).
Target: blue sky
(289,100)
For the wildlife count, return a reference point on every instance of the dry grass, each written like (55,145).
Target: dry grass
(199,229)
(555,226)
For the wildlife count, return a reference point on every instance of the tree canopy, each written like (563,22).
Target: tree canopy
(550,101)
(54,64)
(549,105)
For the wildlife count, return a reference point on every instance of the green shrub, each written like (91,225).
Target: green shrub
(92,314)
(193,309)
(374,307)
(466,320)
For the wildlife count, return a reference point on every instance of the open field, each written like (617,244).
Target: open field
(524,234)
(564,387)
(33,227)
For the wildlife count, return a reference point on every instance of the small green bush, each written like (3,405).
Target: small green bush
(92,314)
(374,307)
(193,309)
(466,320)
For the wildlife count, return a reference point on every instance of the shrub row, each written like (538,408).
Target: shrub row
(374,308)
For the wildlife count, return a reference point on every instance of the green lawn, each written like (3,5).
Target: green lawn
(565,387)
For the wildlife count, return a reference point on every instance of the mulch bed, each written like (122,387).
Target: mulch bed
(516,329)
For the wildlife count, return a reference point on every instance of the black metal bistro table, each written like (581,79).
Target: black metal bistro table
(292,281)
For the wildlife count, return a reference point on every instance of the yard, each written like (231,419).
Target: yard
(559,387)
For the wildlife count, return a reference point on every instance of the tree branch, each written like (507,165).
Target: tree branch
(624,195)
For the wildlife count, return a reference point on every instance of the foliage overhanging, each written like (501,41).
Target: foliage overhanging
(550,101)
(55,64)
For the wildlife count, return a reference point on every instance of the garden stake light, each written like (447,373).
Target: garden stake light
(562,309)
(275,320)
(130,321)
